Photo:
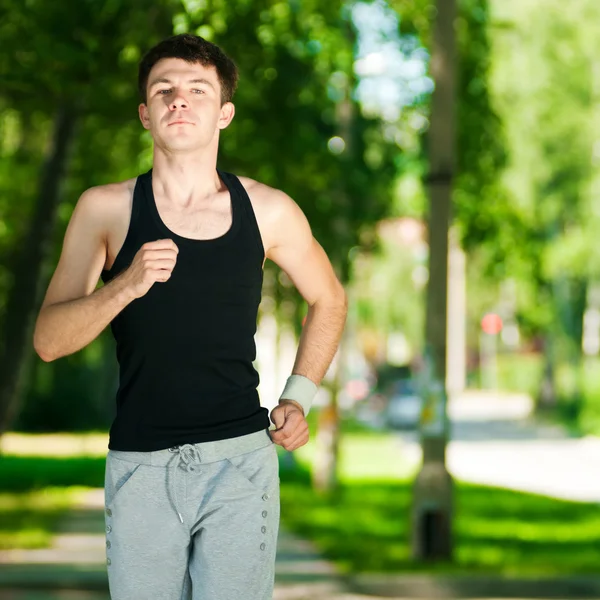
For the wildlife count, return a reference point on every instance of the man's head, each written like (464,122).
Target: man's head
(186,84)
(194,50)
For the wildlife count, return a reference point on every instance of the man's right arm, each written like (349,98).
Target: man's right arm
(74,313)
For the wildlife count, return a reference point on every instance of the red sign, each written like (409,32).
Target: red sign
(491,324)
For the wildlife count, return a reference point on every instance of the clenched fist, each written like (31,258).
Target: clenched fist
(153,262)
(292,428)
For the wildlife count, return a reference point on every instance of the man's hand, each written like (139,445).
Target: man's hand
(292,428)
(152,263)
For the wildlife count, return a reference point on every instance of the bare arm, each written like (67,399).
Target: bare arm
(296,251)
(73,314)
(66,327)
(299,254)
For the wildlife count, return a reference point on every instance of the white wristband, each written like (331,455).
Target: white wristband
(300,389)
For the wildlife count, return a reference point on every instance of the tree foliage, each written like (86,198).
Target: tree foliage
(295,94)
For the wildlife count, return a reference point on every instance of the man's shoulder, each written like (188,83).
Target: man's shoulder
(257,188)
(109,192)
(277,213)
(264,196)
(104,202)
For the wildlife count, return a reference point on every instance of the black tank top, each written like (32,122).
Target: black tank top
(186,348)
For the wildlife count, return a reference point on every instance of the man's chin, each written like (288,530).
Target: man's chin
(182,145)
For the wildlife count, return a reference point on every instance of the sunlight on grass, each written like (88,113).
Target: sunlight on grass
(365,527)
(29,519)
(366,456)
(54,444)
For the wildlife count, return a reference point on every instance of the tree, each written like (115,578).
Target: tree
(65,63)
(433,492)
(293,60)
(542,232)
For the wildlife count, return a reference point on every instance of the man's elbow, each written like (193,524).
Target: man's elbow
(41,346)
(46,357)
(41,350)
(336,298)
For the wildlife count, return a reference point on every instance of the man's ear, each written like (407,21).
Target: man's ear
(144,115)
(227,114)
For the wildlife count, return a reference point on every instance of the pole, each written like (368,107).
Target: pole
(432,499)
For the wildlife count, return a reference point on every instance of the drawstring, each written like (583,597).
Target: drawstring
(188,455)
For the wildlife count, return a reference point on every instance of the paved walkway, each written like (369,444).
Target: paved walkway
(76,562)
(74,569)
(493,441)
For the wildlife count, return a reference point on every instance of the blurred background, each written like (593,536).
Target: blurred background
(446,154)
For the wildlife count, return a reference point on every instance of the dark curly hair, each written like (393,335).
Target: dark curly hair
(192,49)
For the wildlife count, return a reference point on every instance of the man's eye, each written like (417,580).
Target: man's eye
(163,92)
(198,91)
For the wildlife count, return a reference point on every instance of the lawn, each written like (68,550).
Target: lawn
(28,519)
(40,479)
(364,528)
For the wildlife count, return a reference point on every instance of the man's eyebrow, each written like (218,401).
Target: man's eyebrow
(159,80)
(164,80)
(206,81)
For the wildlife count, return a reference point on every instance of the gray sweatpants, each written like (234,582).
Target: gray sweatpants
(193,522)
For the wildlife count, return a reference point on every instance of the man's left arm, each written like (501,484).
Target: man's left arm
(294,249)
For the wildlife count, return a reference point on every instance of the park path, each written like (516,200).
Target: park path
(76,562)
(74,569)
(495,441)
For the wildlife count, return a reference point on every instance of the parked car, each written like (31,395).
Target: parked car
(372,411)
(404,405)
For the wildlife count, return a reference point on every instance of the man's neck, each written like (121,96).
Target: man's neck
(185,179)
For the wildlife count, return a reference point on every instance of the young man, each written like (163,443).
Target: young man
(192,486)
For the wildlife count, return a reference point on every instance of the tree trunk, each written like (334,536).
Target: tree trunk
(325,477)
(547,398)
(325,469)
(26,270)
(432,501)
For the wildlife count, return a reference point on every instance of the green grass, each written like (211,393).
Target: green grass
(577,387)
(365,528)
(36,491)
(520,372)
(24,473)
(29,519)
(365,455)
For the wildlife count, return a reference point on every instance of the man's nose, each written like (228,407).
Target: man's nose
(178,101)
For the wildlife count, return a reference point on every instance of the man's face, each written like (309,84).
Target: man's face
(183,107)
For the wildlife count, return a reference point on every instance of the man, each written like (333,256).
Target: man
(192,486)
